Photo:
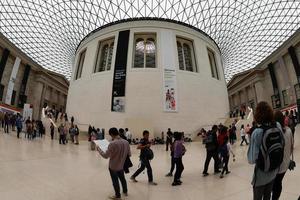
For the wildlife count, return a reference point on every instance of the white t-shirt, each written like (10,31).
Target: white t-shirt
(288,139)
(242,132)
(128,135)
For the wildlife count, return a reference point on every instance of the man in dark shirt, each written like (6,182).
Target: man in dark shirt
(169,139)
(211,146)
(144,146)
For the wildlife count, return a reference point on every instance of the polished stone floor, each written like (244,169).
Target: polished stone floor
(44,170)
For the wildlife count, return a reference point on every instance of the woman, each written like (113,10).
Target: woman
(52,130)
(243,135)
(262,181)
(288,148)
(179,151)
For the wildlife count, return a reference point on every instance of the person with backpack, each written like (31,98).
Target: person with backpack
(288,149)
(145,156)
(265,151)
(211,145)
(179,151)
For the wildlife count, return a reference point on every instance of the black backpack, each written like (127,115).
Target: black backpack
(148,153)
(209,141)
(271,150)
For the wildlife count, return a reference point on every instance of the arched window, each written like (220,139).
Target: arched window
(80,64)
(186,57)
(104,55)
(145,51)
(213,64)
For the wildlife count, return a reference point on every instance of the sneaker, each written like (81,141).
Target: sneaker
(133,179)
(221,176)
(205,174)
(152,183)
(114,198)
(169,174)
(228,172)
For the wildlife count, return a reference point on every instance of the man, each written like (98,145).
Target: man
(6,123)
(144,146)
(211,145)
(117,151)
(128,135)
(169,139)
(61,130)
(19,125)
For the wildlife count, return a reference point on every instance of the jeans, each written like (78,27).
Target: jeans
(209,155)
(52,135)
(263,192)
(115,176)
(18,131)
(61,139)
(277,186)
(172,164)
(244,139)
(6,128)
(225,164)
(145,163)
(179,169)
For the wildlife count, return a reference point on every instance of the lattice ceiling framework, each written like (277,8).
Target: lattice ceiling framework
(246,30)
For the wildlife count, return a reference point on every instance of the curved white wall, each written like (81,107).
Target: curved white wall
(202,100)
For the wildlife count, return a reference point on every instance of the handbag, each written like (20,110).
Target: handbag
(292,164)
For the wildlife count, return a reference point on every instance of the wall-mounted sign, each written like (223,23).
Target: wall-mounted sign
(170,90)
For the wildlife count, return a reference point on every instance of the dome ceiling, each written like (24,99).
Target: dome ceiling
(246,30)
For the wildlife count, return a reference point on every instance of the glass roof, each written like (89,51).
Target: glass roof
(246,30)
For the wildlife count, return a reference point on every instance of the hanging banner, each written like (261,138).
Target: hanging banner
(170,90)
(119,79)
(12,80)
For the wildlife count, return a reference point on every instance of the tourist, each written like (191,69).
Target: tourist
(211,145)
(288,149)
(172,160)
(61,131)
(243,135)
(6,123)
(145,156)
(169,139)
(122,133)
(52,130)
(117,152)
(231,135)
(76,134)
(179,151)
(128,135)
(263,176)
(19,125)
(72,120)
(72,133)
(225,150)
(292,122)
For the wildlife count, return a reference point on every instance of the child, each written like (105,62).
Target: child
(179,151)
(225,151)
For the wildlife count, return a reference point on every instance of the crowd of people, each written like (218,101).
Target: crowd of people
(270,139)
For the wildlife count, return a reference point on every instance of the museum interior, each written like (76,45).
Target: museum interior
(149,99)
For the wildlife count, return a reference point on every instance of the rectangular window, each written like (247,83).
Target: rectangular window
(13,98)
(145,51)
(22,101)
(186,55)
(104,55)
(80,64)
(213,64)
(285,98)
(1,92)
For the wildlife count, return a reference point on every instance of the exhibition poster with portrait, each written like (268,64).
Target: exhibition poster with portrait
(170,90)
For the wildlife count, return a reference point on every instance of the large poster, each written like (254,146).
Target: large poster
(119,79)
(12,79)
(170,90)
